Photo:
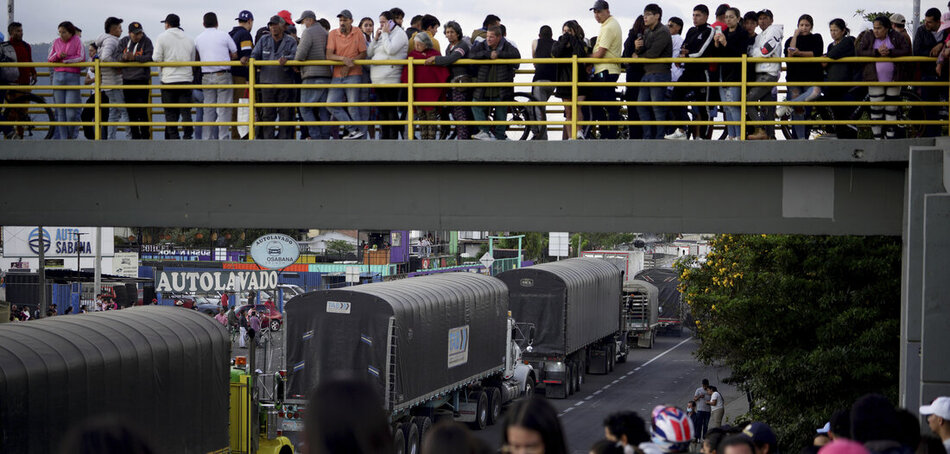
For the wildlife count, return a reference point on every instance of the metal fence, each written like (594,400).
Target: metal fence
(410,103)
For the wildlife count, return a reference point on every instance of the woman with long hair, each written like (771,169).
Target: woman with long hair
(531,425)
(67,48)
(457,49)
(731,42)
(803,44)
(388,43)
(572,42)
(842,45)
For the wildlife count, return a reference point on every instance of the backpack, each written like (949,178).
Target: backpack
(8,75)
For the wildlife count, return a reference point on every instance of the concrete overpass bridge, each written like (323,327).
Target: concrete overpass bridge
(819,187)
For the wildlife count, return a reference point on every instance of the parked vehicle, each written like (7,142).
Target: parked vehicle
(161,367)
(434,345)
(573,308)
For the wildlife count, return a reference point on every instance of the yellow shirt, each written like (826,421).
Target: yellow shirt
(610,38)
(435,42)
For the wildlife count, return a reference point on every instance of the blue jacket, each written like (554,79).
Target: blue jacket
(267,49)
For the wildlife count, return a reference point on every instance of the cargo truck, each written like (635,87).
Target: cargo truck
(440,346)
(573,308)
(670,311)
(640,314)
(163,370)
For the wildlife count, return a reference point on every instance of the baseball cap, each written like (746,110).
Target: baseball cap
(345,13)
(135,27)
(600,5)
(825,428)
(286,16)
(898,18)
(939,407)
(767,12)
(172,20)
(761,434)
(306,15)
(275,20)
(244,16)
(843,446)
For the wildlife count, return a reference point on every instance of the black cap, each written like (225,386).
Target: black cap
(766,12)
(600,5)
(345,13)
(276,20)
(172,20)
(135,27)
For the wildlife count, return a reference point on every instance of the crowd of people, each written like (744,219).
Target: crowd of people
(388,36)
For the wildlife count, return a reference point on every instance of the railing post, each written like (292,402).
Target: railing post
(410,111)
(742,96)
(574,110)
(97,135)
(251,80)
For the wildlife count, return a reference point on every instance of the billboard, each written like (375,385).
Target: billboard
(125,264)
(56,241)
(214,281)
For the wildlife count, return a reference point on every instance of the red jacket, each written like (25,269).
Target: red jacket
(24,54)
(426,74)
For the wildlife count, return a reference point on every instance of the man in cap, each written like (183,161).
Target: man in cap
(938,418)
(215,45)
(109,51)
(762,437)
(899,24)
(768,44)
(136,47)
(346,44)
(174,46)
(313,46)
(609,45)
(928,42)
(276,46)
(241,34)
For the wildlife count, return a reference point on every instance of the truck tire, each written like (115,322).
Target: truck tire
(529,387)
(494,405)
(413,440)
(481,411)
(578,377)
(424,423)
(399,440)
(611,357)
(569,382)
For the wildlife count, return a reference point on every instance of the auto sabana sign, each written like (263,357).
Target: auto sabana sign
(55,241)
(214,281)
(275,251)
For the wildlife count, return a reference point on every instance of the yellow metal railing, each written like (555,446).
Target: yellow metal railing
(410,122)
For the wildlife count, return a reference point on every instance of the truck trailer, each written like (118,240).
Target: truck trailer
(640,314)
(163,370)
(573,309)
(432,346)
(670,311)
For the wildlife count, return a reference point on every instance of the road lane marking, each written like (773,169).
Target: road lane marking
(579,403)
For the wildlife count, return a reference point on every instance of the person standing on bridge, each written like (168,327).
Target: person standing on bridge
(111,52)
(281,47)
(215,45)
(67,48)
(174,46)
(136,47)
(702,409)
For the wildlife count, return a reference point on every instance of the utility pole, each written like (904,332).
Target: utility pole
(79,263)
(41,269)
(97,285)
(916,22)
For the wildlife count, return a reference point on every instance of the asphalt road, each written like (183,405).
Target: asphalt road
(666,374)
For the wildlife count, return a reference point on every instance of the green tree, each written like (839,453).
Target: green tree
(807,324)
(339,247)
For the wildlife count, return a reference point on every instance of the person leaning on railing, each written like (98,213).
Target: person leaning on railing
(696,44)
(494,47)
(313,46)
(883,41)
(571,43)
(802,44)
(389,43)
(280,47)
(137,47)
(928,42)
(426,74)
(608,46)
(174,46)
(842,45)
(457,49)
(732,42)
(656,42)
(66,49)
(767,44)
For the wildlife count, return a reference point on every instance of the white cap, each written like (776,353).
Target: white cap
(825,428)
(939,407)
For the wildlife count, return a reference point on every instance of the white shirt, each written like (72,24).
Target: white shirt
(676,71)
(174,45)
(718,398)
(214,45)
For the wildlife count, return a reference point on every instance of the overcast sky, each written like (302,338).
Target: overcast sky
(522,18)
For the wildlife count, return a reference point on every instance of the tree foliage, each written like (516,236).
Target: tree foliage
(339,247)
(807,324)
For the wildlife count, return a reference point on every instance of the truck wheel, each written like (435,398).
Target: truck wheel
(611,357)
(275,325)
(399,441)
(412,438)
(578,377)
(424,423)
(481,412)
(494,404)
(529,388)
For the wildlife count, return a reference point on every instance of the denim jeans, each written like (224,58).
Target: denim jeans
(763,94)
(800,94)
(66,97)
(541,94)
(351,94)
(216,96)
(732,113)
(199,98)
(312,113)
(501,113)
(365,111)
(655,113)
(117,113)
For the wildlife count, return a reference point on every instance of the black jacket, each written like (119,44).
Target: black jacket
(495,73)
(737,44)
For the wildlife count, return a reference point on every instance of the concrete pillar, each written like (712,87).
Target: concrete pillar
(935,315)
(924,176)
